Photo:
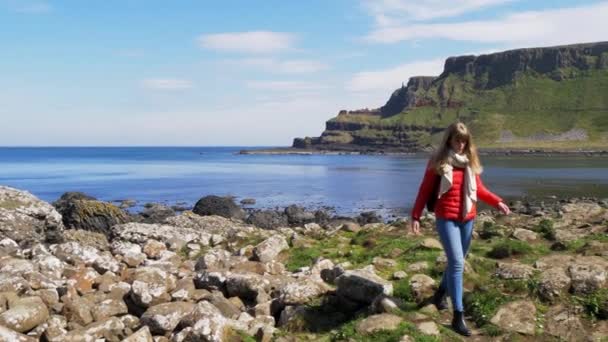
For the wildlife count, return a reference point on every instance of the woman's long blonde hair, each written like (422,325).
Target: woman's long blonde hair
(459,131)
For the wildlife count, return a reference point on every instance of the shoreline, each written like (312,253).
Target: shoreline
(491,152)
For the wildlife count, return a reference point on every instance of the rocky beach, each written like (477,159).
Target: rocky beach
(80,269)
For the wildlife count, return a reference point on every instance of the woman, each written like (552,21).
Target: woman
(453,171)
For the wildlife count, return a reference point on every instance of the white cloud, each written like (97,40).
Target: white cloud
(532,28)
(394,12)
(248,42)
(293,66)
(285,85)
(166,84)
(387,80)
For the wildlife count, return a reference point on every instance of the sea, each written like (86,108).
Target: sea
(342,184)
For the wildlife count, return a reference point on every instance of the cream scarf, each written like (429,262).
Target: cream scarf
(470,184)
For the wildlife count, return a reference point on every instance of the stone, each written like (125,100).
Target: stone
(25,314)
(83,237)
(214,260)
(525,235)
(78,310)
(430,243)
(377,323)
(140,233)
(92,215)
(352,227)
(220,206)
(267,219)
(26,219)
(156,213)
(268,249)
(518,316)
(515,270)
(207,323)
(297,216)
(587,275)
(379,262)
(151,286)
(153,249)
(428,328)
(422,286)
(163,318)
(399,275)
(246,286)
(362,286)
(301,292)
(419,266)
(552,283)
(7,334)
(141,335)
(109,308)
(109,329)
(227,307)
(562,323)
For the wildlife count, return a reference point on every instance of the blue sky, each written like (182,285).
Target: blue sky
(245,73)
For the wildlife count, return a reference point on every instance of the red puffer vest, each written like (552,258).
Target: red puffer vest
(449,205)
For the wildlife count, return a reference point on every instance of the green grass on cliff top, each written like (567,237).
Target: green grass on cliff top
(532,104)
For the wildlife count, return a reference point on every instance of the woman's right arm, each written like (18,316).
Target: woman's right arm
(424,192)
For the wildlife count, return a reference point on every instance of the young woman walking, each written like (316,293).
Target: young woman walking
(452,175)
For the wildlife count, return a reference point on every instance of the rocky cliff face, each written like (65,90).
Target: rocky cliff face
(494,93)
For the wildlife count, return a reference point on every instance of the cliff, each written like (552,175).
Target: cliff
(551,97)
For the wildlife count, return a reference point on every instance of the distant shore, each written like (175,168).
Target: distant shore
(497,152)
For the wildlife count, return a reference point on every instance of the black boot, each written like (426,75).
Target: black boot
(459,325)
(440,299)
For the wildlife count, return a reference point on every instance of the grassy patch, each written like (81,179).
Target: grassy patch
(595,304)
(483,304)
(545,229)
(348,332)
(508,248)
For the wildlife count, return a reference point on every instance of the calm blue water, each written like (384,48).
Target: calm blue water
(348,183)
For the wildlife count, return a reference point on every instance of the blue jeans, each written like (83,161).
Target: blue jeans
(456,238)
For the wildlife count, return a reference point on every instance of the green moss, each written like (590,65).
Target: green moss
(11,204)
(508,247)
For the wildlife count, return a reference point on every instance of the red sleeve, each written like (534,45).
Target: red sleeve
(486,195)
(426,187)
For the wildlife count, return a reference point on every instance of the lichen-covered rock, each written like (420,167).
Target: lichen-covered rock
(268,249)
(78,310)
(246,286)
(362,286)
(98,241)
(110,329)
(377,323)
(552,283)
(430,243)
(139,233)
(588,274)
(26,219)
(108,308)
(25,314)
(141,335)
(524,235)
(422,286)
(214,260)
(163,318)
(95,216)
(7,334)
(301,292)
(207,324)
(561,322)
(153,249)
(518,316)
(506,270)
(74,253)
(151,286)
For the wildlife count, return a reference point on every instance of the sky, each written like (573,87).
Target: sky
(241,72)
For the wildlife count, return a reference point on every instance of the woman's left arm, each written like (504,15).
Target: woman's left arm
(490,198)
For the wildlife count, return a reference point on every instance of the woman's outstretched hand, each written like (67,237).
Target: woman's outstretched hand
(415,227)
(504,208)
